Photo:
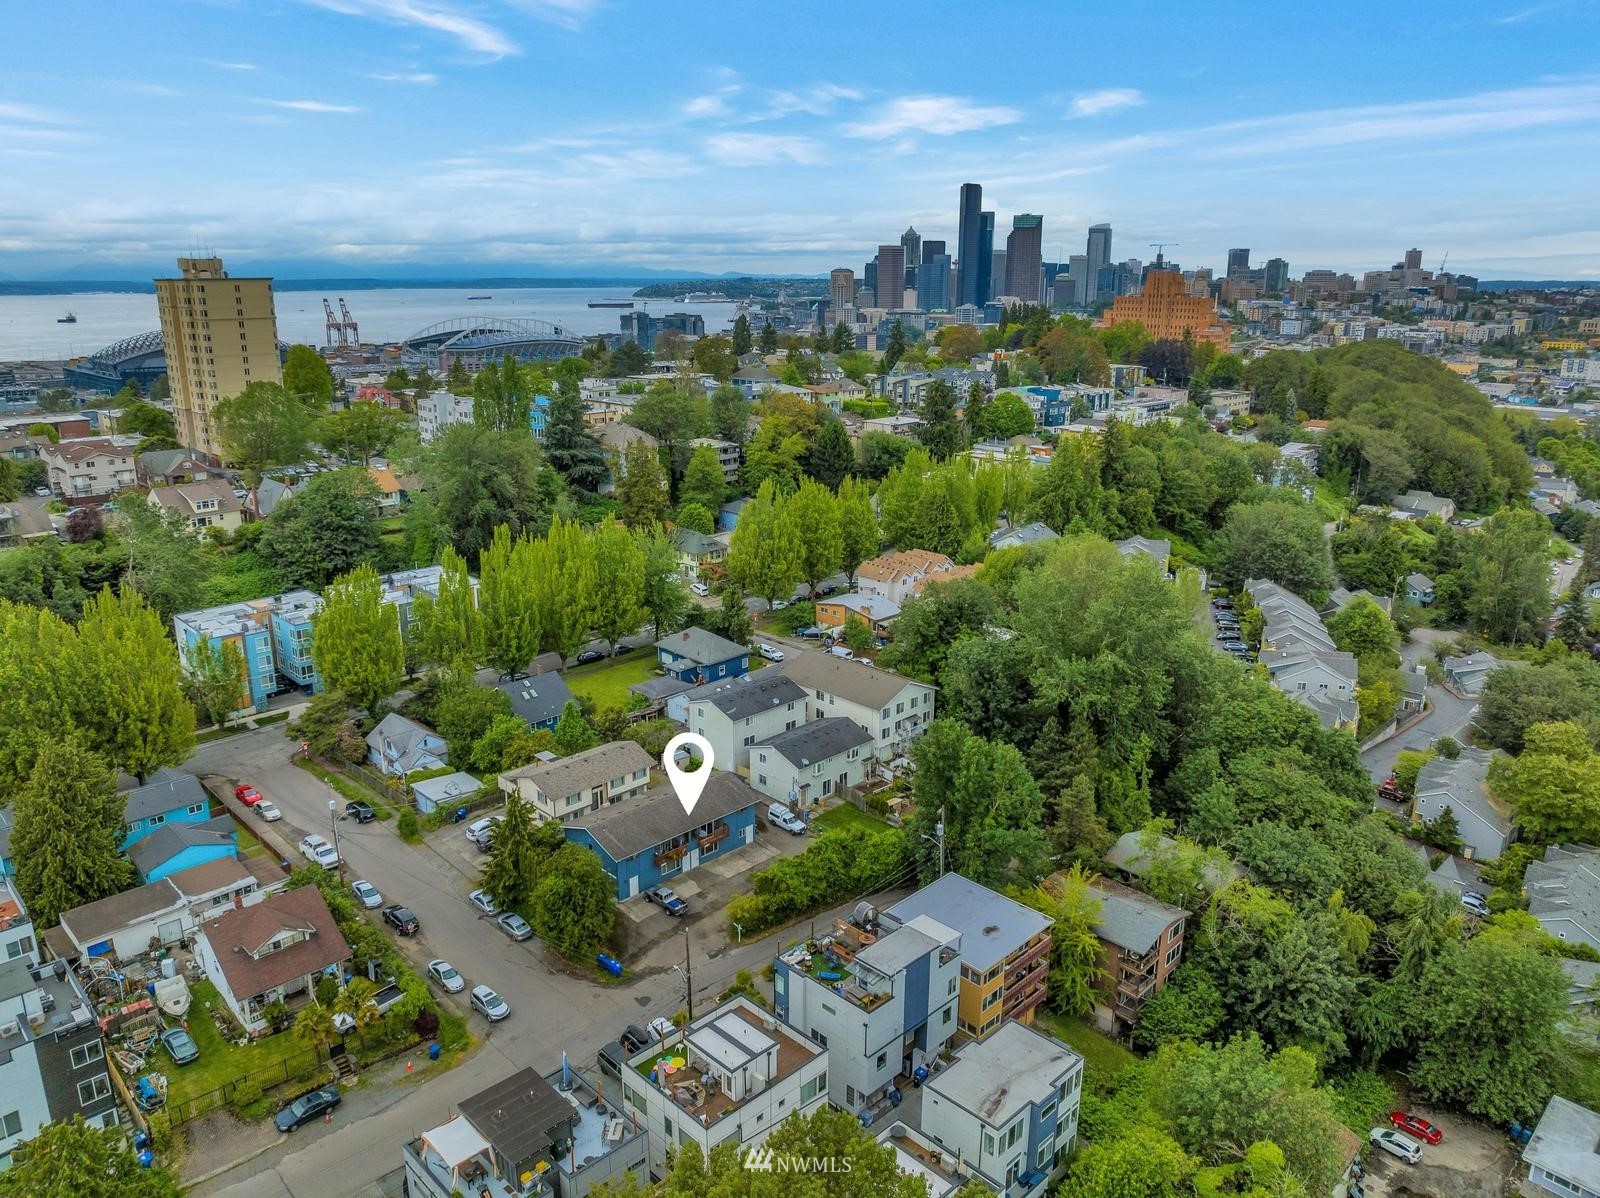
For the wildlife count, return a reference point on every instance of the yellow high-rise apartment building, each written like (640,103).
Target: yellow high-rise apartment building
(220,335)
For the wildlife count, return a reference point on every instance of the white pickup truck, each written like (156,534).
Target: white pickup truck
(318,851)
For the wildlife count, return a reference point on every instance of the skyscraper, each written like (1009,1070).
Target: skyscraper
(933,279)
(1238,263)
(869,282)
(932,249)
(986,258)
(1098,254)
(841,287)
(969,230)
(1413,260)
(911,242)
(1077,282)
(1024,256)
(1276,274)
(891,275)
(220,334)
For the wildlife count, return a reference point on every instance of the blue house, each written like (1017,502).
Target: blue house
(539,416)
(246,626)
(170,797)
(695,656)
(179,846)
(537,698)
(728,514)
(648,840)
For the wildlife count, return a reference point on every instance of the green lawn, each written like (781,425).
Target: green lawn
(605,683)
(220,1061)
(249,844)
(1100,1053)
(846,815)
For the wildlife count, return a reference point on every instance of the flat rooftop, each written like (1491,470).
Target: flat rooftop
(997,1078)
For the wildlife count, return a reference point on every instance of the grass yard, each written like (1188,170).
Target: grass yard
(846,815)
(249,844)
(221,1062)
(605,683)
(1100,1053)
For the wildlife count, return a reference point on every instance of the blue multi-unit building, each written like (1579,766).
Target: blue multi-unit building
(170,797)
(1053,405)
(169,826)
(645,841)
(696,656)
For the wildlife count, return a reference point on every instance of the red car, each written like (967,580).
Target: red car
(1415,1125)
(247,794)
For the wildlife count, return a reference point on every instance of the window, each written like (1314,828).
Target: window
(11,1123)
(1047,1109)
(18,947)
(849,1096)
(947,1015)
(195,808)
(988,1144)
(1174,953)
(883,1059)
(93,1090)
(157,820)
(762,779)
(85,1053)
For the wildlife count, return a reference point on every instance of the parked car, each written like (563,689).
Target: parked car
(1222,604)
(489,1004)
(1415,1126)
(361,812)
(514,925)
(247,794)
(700,588)
(612,1059)
(367,894)
(589,655)
(445,974)
(1395,1144)
(779,816)
(180,1046)
(307,1107)
(401,919)
(318,851)
(485,905)
(665,898)
(42,492)
(663,1029)
(1475,904)
(634,1038)
(770,652)
(481,831)
(268,811)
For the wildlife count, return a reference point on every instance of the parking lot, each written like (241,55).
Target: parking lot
(1472,1161)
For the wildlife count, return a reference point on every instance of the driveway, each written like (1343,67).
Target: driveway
(1447,715)
(1472,1161)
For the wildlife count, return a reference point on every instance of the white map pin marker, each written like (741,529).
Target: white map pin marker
(687,784)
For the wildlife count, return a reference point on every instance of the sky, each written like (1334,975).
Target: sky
(601,136)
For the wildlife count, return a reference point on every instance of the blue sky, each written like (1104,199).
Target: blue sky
(600,135)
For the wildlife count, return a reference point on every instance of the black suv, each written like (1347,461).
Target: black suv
(362,813)
(634,1038)
(400,919)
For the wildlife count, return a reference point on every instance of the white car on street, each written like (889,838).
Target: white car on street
(770,652)
(490,1004)
(445,974)
(268,811)
(367,894)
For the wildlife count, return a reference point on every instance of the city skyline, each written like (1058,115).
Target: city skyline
(574,136)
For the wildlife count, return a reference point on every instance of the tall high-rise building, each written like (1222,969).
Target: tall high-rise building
(933,280)
(841,287)
(869,282)
(891,275)
(1238,263)
(1275,276)
(1077,280)
(220,334)
(997,274)
(1413,260)
(932,249)
(911,242)
(968,233)
(1024,258)
(1098,253)
(986,258)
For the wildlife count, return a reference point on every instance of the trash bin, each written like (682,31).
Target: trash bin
(461,814)
(609,963)
(433,1051)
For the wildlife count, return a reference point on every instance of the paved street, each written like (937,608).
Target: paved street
(1447,715)
(552,1011)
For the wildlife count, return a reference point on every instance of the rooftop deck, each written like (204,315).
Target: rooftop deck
(688,1084)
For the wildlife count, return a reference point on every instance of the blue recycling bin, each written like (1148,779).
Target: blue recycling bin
(433,1051)
(609,963)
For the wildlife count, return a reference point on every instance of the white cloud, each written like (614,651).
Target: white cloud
(27,112)
(756,149)
(1107,99)
(313,106)
(148,89)
(818,100)
(932,114)
(232,66)
(709,105)
(422,77)
(569,14)
(1517,18)
(440,17)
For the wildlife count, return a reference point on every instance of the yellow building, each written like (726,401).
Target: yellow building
(1168,311)
(220,334)
(1563,344)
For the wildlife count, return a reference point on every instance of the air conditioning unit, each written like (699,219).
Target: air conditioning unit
(8,1029)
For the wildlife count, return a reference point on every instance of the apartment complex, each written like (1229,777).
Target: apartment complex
(892,709)
(567,787)
(89,468)
(1169,312)
(1141,942)
(734,713)
(220,334)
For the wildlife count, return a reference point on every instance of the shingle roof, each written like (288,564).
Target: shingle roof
(536,698)
(852,680)
(1130,919)
(239,930)
(902,562)
(167,790)
(1026,534)
(170,839)
(184,497)
(96,920)
(872,607)
(1463,783)
(992,926)
(1160,551)
(627,829)
(224,873)
(592,767)
(701,647)
(744,696)
(519,1115)
(819,740)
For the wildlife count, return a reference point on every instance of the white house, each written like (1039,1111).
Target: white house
(897,575)
(400,746)
(807,763)
(438,410)
(892,709)
(125,925)
(735,713)
(1561,1156)
(567,787)
(272,951)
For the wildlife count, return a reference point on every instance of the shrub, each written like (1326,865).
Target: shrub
(839,862)
(327,990)
(246,1093)
(407,826)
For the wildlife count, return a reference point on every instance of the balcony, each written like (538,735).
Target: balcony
(670,856)
(1028,956)
(709,842)
(1026,980)
(1018,1003)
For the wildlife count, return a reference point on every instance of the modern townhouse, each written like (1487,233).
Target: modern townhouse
(892,709)
(811,762)
(734,713)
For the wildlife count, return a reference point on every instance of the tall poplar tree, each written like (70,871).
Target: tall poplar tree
(858,526)
(662,593)
(764,553)
(40,688)
(619,583)
(449,628)
(508,601)
(813,510)
(566,579)
(356,644)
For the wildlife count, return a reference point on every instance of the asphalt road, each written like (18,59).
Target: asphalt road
(1447,714)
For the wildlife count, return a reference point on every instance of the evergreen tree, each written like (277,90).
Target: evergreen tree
(896,347)
(508,602)
(843,339)
(662,593)
(769,338)
(571,449)
(703,480)
(975,412)
(457,380)
(940,431)
(858,526)
(831,455)
(619,583)
(735,622)
(517,852)
(450,628)
(74,1160)
(573,734)
(67,830)
(741,334)
(1572,628)
(642,489)
(355,640)
(575,903)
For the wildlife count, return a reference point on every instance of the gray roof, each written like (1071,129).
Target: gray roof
(992,926)
(697,544)
(1128,855)
(94,921)
(1463,783)
(748,694)
(998,1077)
(404,734)
(536,698)
(1025,534)
(701,647)
(1581,977)
(820,740)
(447,786)
(1420,582)
(1159,551)
(1564,1143)
(854,681)
(592,767)
(270,493)
(627,829)
(906,944)
(519,1115)
(167,790)
(170,839)
(1131,920)
(1471,663)
(5,833)
(655,689)
(1564,892)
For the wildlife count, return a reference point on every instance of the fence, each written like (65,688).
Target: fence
(302,1065)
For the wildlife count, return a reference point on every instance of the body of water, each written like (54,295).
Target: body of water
(29,328)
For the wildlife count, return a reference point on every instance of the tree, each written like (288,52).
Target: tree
(741,334)
(730,414)
(167,563)
(1142,1162)
(715,356)
(67,830)
(1075,950)
(662,593)
(765,554)
(502,396)
(449,628)
(1505,576)
(703,481)
(571,448)
(327,529)
(1517,697)
(1277,539)
(74,1160)
(518,851)
(573,734)
(1068,495)
(461,710)
(355,640)
(1572,627)
(831,455)
(959,343)
(940,431)
(575,902)
(361,430)
(642,489)
(479,478)
(769,338)
(696,518)
(355,999)
(306,376)
(628,358)
(140,419)
(858,525)
(83,523)
(1361,628)
(991,808)
(1553,785)
(895,348)
(843,340)
(619,583)
(857,635)
(457,379)
(217,679)
(775,454)
(565,575)
(813,511)
(262,426)
(313,1027)
(509,602)
(1008,416)
(134,710)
